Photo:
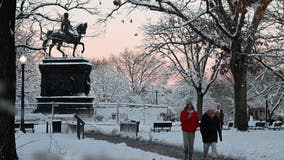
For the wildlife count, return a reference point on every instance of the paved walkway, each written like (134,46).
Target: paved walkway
(162,149)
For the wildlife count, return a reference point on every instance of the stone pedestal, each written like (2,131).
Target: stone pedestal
(65,82)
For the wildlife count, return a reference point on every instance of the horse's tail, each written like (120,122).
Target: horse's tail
(44,44)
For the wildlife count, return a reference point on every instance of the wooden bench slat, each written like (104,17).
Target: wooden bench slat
(277,125)
(259,125)
(27,125)
(162,126)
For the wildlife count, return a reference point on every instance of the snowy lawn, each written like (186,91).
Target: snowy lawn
(251,145)
(59,146)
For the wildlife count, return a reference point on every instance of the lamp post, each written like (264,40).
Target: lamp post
(23,61)
(156,96)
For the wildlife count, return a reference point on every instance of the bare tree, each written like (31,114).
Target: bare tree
(18,16)
(107,85)
(7,80)
(222,91)
(191,56)
(32,82)
(141,70)
(237,26)
(267,84)
(32,78)
(268,52)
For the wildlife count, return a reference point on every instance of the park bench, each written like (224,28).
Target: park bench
(229,126)
(161,126)
(27,126)
(259,125)
(277,125)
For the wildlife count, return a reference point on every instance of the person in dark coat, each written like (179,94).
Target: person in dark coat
(220,115)
(221,118)
(209,128)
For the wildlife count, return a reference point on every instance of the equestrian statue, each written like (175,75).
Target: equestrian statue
(67,34)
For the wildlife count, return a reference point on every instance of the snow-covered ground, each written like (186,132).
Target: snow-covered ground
(60,146)
(251,145)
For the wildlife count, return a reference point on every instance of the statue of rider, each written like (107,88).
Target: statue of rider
(66,25)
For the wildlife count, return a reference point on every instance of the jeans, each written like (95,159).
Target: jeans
(188,141)
(213,148)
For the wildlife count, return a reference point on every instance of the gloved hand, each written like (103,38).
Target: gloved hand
(220,137)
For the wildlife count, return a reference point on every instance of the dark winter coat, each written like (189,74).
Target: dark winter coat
(221,117)
(209,128)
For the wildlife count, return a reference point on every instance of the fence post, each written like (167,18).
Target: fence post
(46,126)
(117,114)
(52,117)
(80,123)
(78,128)
(95,111)
(144,110)
(83,134)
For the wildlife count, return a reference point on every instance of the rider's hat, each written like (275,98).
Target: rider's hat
(65,15)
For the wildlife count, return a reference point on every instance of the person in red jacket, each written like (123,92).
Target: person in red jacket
(189,124)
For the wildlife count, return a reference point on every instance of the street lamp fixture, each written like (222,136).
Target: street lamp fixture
(23,61)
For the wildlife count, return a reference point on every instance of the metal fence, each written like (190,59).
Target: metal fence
(109,112)
(144,113)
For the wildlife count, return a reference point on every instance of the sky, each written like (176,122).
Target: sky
(251,145)
(118,35)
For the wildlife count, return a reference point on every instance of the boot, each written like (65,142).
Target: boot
(189,155)
(185,154)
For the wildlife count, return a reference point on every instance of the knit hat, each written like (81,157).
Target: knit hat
(211,108)
(208,108)
(188,101)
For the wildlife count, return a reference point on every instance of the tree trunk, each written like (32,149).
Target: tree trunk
(199,102)
(239,71)
(7,80)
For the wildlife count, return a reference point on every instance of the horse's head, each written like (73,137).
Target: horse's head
(81,28)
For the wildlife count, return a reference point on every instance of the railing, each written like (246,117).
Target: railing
(80,127)
(118,111)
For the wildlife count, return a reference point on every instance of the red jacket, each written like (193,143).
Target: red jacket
(188,125)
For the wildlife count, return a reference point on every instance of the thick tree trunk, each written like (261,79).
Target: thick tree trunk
(240,89)
(199,102)
(7,80)
(239,71)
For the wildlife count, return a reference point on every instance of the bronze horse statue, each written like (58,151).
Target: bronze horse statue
(58,37)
